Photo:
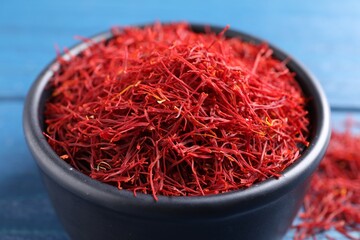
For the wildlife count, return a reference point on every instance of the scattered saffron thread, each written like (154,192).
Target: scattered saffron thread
(333,200)
(163,110)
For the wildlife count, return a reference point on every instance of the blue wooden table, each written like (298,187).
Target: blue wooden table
(324,35)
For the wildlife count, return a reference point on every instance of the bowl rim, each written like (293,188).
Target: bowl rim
(221,205)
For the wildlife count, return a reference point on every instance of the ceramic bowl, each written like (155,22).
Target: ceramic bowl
(89,209)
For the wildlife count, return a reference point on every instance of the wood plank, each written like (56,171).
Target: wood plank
(26,212)
(322,34)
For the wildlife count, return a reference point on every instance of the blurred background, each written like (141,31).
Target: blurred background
(324,35)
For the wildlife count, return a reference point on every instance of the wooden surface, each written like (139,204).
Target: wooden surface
(324,35)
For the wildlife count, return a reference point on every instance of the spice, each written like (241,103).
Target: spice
(333,200)
(163,110)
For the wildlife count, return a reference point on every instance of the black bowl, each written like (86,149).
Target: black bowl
(89,209)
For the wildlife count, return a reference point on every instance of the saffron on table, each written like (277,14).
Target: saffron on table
(333,200)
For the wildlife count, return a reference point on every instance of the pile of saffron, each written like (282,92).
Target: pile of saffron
(164,110)
(333,200)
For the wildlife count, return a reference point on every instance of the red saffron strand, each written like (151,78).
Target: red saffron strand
(333,200)
(163,110)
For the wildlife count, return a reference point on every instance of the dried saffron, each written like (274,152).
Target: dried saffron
(163,110)
(333,200)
